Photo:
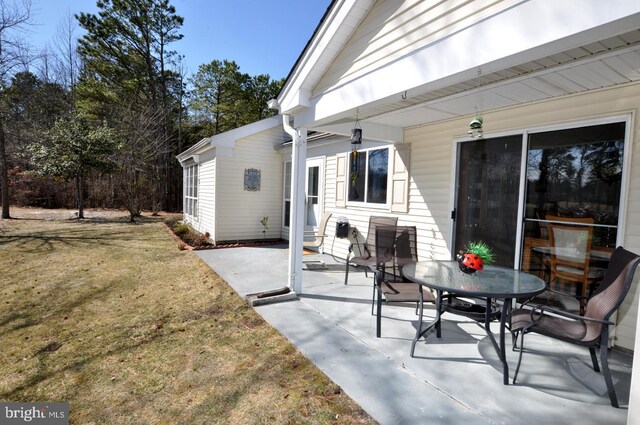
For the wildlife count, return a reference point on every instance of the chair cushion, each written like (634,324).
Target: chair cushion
(405,292)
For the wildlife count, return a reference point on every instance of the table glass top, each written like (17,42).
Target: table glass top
(493,281)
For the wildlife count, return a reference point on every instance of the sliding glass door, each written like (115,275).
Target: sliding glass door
(572,177)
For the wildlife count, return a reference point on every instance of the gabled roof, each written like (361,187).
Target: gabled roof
(228,138)
(334,29)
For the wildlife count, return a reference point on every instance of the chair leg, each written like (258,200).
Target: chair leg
(604,359)
(604,353)
(346,273)
(514,340)
(515,374)
(379,314)
(373,295)
(594,359)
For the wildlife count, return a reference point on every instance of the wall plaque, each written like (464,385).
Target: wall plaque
(251,179)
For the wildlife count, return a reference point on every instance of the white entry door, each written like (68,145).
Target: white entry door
(314,202)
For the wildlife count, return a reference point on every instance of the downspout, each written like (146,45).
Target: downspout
(296,226)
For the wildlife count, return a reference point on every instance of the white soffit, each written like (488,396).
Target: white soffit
(607,63)
(380,91)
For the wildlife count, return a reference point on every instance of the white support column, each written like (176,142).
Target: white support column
(296,228)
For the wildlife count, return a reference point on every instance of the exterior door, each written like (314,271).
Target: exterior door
(488,181)
(575,173)
(314,202)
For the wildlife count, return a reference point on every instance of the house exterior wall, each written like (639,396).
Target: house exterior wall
(238,212)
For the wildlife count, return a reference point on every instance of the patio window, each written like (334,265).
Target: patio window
(191,191)
(368,176)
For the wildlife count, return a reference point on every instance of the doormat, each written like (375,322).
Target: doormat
(314,265)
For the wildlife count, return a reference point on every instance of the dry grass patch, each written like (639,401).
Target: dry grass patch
(113,318)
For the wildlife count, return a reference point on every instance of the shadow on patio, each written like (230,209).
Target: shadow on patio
(455,379)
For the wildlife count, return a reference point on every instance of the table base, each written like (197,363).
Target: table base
(489,314)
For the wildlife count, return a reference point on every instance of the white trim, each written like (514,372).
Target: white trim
(625,179)
(371,205)
(331,34)
(191,183)
(524,150)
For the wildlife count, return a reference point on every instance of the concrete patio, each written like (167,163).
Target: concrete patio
(452,380)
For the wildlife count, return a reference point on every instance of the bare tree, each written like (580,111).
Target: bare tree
(66,46)
(137,156)
(14,17)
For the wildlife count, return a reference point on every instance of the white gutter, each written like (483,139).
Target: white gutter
(296,227)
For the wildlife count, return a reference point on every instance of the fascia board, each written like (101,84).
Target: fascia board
(199,148)
(529,31)
(228,138)
(328,38)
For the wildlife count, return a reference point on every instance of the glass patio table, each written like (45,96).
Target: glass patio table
(493,282)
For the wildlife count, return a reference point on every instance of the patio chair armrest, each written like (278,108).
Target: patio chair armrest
(541,310)
(312,233)
(359,244)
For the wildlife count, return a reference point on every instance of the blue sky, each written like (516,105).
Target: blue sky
(262,36)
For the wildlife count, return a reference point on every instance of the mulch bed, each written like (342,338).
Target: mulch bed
(194,241)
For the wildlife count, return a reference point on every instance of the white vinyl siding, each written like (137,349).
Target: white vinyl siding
(207,197)
(393,28)
(238,211)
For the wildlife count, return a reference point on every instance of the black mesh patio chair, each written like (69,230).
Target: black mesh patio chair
(393,288)
(590,330)
(367,251)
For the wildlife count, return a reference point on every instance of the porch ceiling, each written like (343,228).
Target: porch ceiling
(610,62)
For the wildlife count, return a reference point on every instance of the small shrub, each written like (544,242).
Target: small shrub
(181,229)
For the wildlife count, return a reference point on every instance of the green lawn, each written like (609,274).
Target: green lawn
(113,318)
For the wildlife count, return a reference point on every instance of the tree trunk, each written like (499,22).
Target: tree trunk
(80,196)
(4,166)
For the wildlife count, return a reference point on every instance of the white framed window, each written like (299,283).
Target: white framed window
(191,191)
(379,179)
(369,176)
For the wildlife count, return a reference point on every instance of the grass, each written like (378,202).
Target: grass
(111,317)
